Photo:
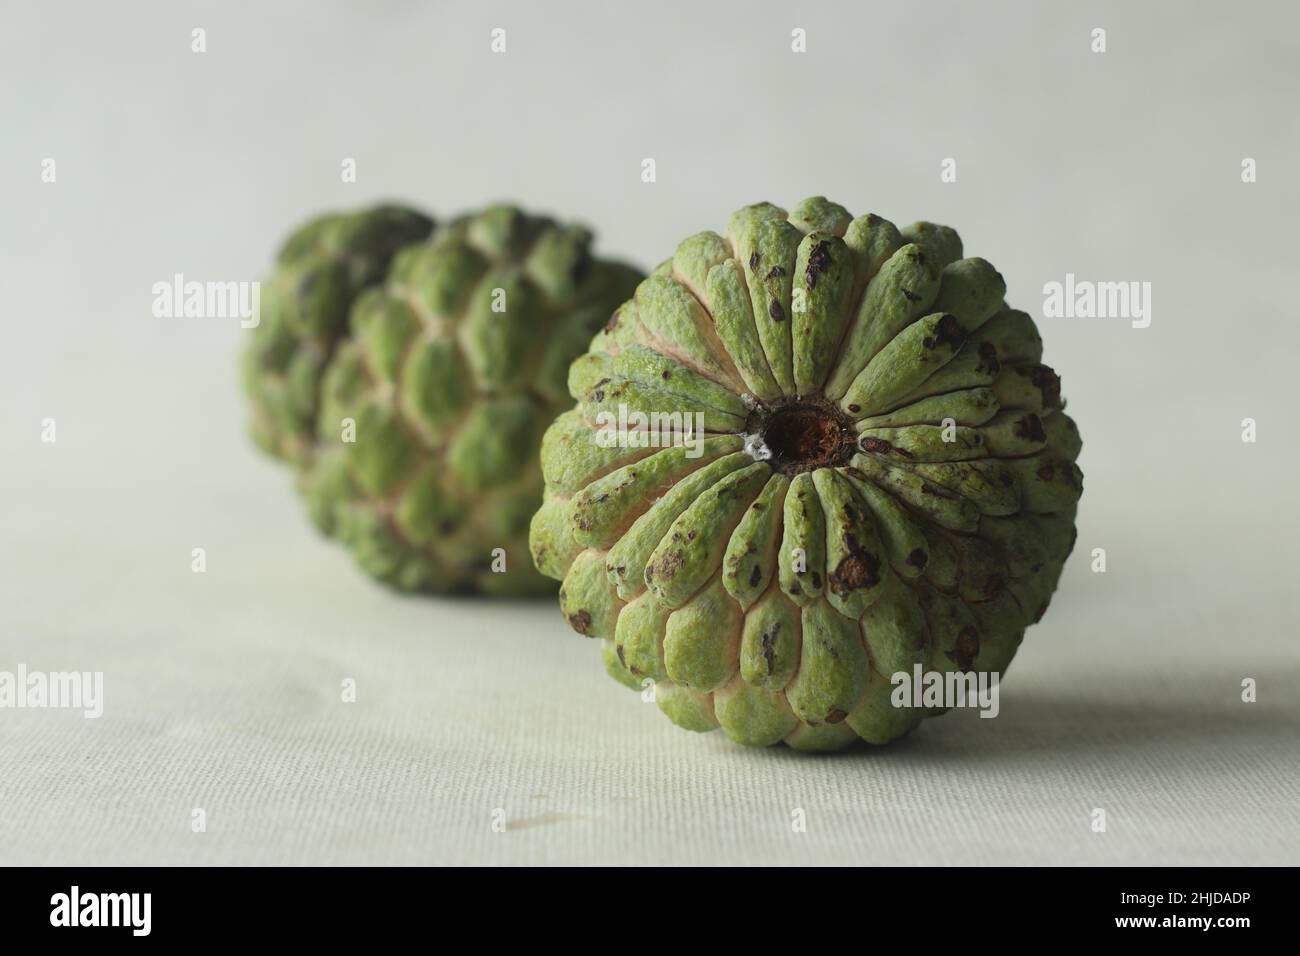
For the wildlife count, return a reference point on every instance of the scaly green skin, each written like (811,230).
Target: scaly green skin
(320,271)
(428,406)
(776,597)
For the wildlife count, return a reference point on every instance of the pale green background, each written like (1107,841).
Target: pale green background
(222,688)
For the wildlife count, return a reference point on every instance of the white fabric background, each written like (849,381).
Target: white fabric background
(222,689)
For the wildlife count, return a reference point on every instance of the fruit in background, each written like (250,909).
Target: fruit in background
(886,477)
(429,405)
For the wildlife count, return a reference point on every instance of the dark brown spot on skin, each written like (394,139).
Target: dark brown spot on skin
(1046,473)
(667,566)
(989,359)
(768,642)
(966,649)
(666,375)
(911,296)
(634,671)
(879,446)
(1047,382)
(1030,428)
(755,576)
(753,261)
(776,272)
(855,408)
(757,506)
(795,589)
(947,333)
(612,324)
(861,569)
(690,536)
(836,716)
(598,395)
(580,621)
(819,260)
(775,311)
(817,580)
(918,558)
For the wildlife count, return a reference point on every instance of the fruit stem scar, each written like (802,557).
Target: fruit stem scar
(802,433)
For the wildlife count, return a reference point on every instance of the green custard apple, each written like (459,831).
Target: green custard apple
(808,455)
(416,423)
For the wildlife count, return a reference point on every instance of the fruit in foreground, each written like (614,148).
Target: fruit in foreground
(415,377)
(885,477)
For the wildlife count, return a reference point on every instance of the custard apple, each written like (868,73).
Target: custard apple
(416,422)
(884,477)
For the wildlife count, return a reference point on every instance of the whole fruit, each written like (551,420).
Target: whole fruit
(428,406)
(885,477)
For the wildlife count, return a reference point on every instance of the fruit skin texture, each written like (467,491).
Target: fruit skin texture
(416,423)
(321,269)
(887,477)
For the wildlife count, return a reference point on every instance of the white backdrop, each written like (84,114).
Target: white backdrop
(222,689)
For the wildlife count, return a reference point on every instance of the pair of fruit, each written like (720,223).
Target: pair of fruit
(884,478)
